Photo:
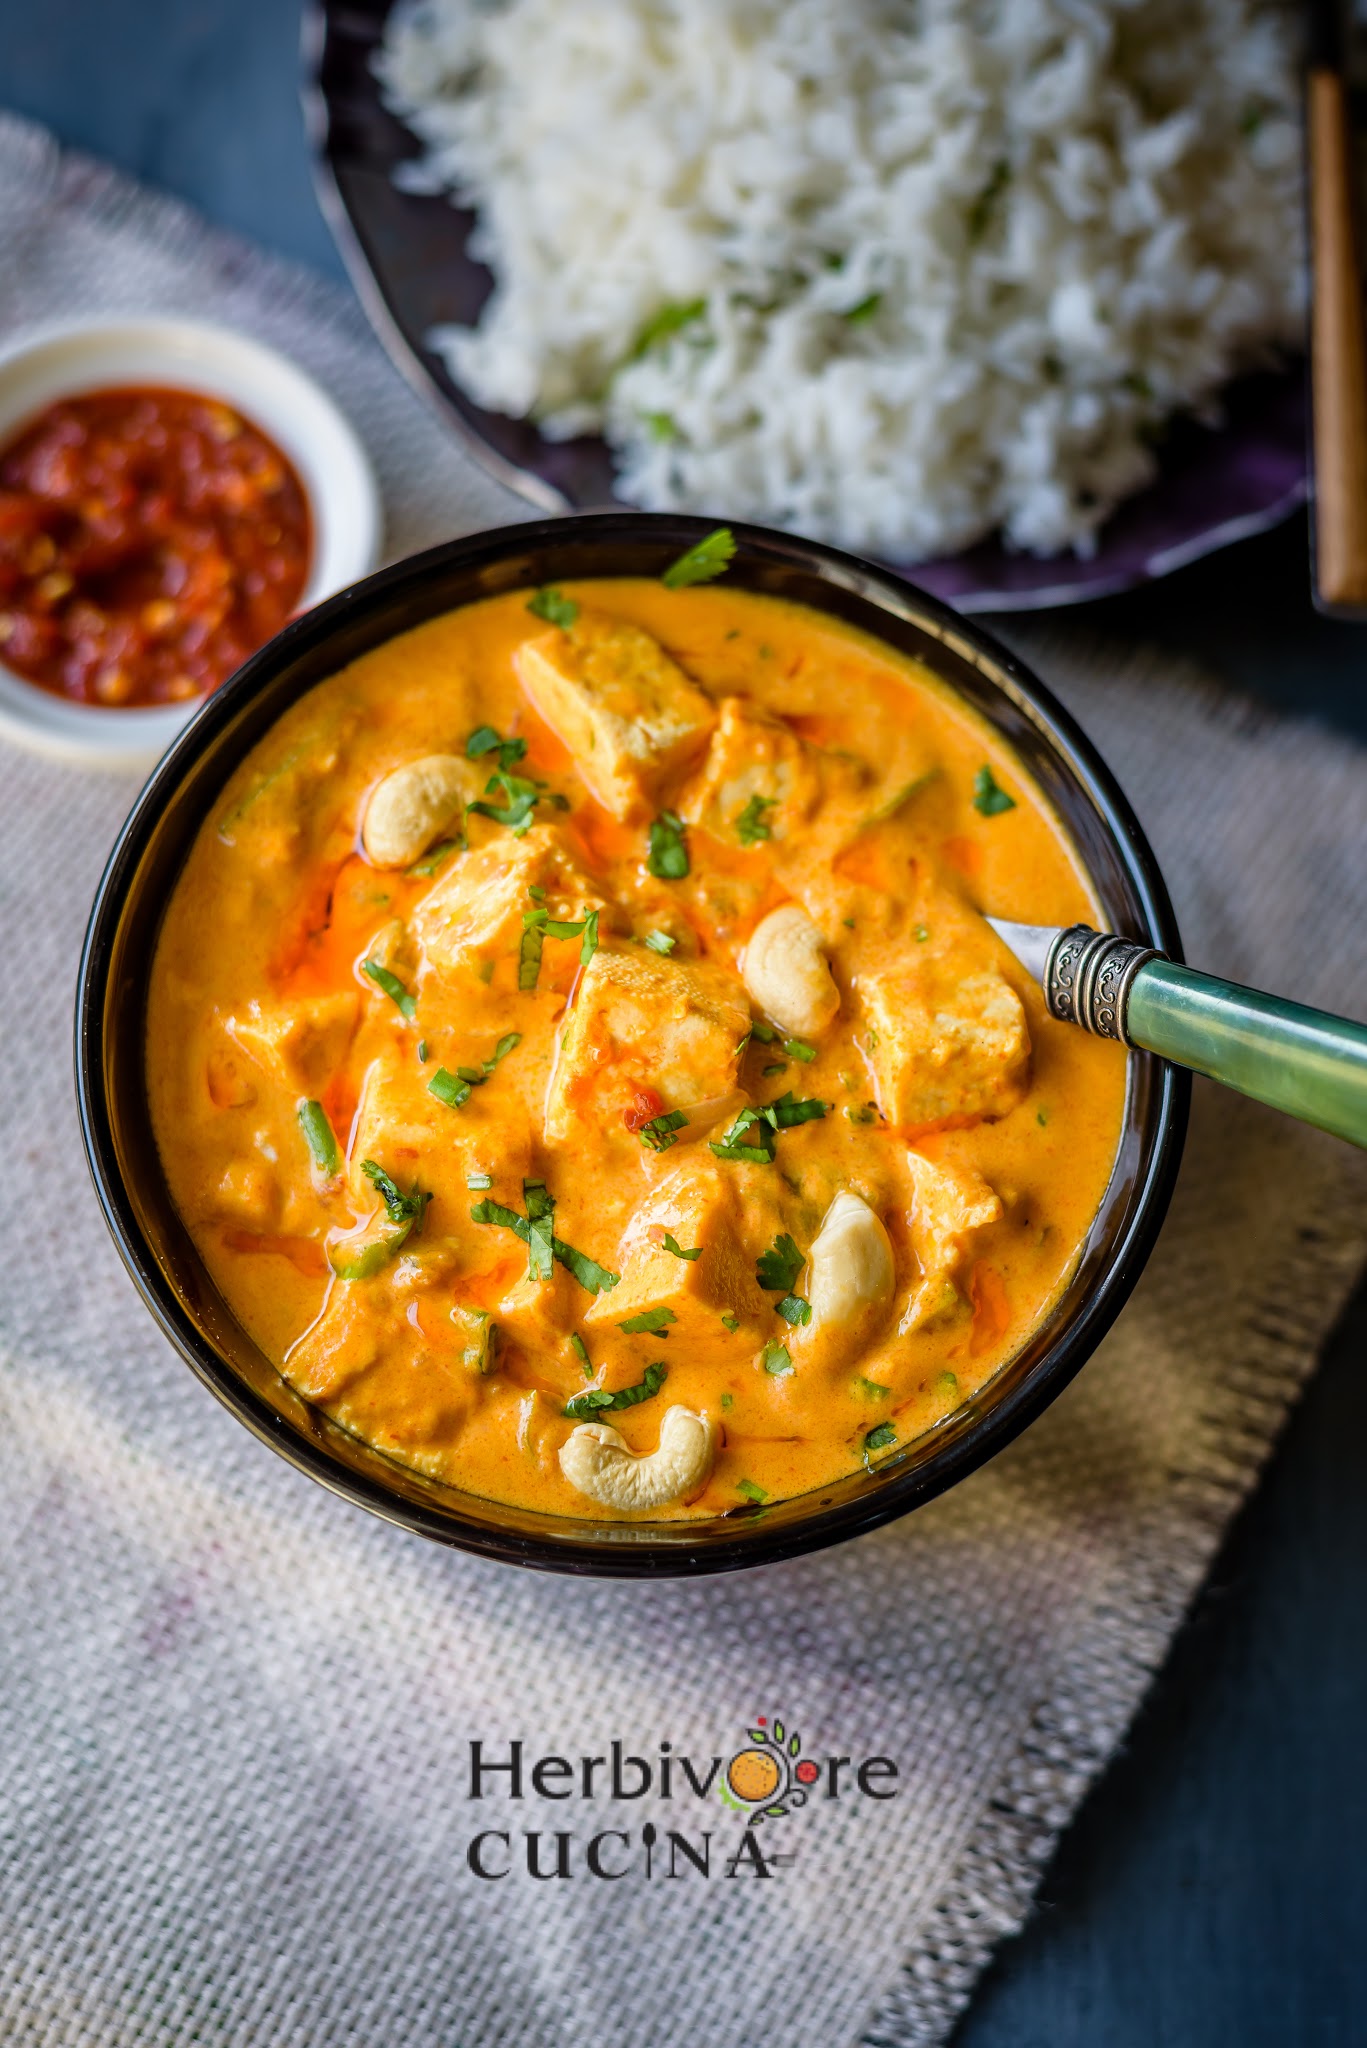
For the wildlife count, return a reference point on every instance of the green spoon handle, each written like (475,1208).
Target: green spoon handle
(1303,1061)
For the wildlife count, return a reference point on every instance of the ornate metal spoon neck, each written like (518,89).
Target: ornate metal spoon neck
(1086,975)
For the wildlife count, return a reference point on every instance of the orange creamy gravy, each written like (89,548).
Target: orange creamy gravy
(258,1004)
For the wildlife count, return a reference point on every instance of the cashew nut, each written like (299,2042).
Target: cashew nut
(787,973)
(850,1268)
(411,809)
(597,1460)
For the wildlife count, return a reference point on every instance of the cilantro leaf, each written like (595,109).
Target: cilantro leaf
(784,1113)
(795,1309)
(552,606)
(505,1218)
(750,825)
(581,1352)
(731,1323)
(590,945)
(485,740)
(430,862)
(529,952)
(671,1244)
(667,859)
(592,1277)
(505,1045)
(668,320)
(652,1320)
(778,1268)
(748,1138)
(596,1399)
(855,316)
(663,1131)
(540,1233)
(988,795)
(879,1439)
(776,1359)
(659,942)
(520,799)
(709,557)
(391,986)
(399,1207)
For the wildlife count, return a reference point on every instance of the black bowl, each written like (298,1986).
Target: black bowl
(142,871)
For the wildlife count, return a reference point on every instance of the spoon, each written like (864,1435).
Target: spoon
(1305,1062)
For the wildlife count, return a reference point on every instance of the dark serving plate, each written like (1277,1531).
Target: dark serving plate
(186,788)
(408,256)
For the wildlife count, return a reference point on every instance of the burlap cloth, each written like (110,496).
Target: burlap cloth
(235,1713)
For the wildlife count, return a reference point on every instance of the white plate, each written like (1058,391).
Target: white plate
(278,397)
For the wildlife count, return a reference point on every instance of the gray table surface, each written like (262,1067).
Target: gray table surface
(1213,1889)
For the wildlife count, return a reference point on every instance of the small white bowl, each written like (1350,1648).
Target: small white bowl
(272,392)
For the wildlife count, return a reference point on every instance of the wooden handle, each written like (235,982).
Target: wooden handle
(1303,1061)
(1338,352)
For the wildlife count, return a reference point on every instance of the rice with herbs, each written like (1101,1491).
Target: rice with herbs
(893,275)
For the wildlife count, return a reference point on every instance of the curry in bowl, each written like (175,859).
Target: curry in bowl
(578,1055)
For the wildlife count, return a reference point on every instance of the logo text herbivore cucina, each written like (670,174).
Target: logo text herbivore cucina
(762,1782)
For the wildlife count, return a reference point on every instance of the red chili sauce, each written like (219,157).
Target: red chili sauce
(150,540)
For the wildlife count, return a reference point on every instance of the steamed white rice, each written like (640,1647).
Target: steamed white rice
(893,273)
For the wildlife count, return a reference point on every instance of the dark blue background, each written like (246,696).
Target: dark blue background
(1214,1888)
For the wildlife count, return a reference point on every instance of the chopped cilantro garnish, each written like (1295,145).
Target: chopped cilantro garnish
(392,987)
(922,933)
(795,1309)
(451,1089)
(671,1244)
(652,1320)
(855,316)
(659,942)
(663,1131)
(520,798)
(872,1390)
(784,1113)
(581,1352)
(431,861)
(590,945)
(540,1232)
(988,795)
(867,1113)
(668,320)
(708,558)
(529,953)
(485,740)
(505,1218)
(798,1049)
(318,1136)
(879,1439)
(757,1147)
(728,1400)
(592,1277)
(775,1067)
(730,1322)
(401,1208)
(506,1044)
(776,1359)
(422,1049)
(750,825)
(476,1181)
(667,859)
(765,1033)
(751,1491)
(778,1268)
(552,606)
(598,1398)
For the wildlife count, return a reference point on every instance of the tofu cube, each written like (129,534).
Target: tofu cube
(474,913)
(639,1021)
(299,1043)
(944,1050)
(699,1205)
(951,1206)
(415,1137)
(758,770)
(625,710)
